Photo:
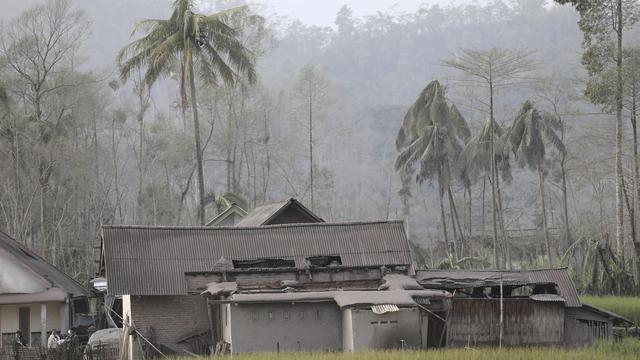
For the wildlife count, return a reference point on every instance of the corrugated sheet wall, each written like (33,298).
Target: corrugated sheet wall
(476,322)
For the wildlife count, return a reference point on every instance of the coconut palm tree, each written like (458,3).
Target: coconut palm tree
(431,136)
(193,42)
(527,136)
(475,159)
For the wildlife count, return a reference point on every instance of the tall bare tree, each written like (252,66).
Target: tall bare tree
(38,47)
(493,69)
(311,89)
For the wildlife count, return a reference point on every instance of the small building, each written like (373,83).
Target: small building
(537,307)
(284,212)
(150,266)
(229,217)
(327,312)
(35,296)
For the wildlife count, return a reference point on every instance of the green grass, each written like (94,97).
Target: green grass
(628,307)
(625,349)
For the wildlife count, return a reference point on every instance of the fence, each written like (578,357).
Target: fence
(65,353)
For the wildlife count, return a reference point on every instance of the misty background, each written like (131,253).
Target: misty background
(373,58)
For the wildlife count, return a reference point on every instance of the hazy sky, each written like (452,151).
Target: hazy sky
(323,12)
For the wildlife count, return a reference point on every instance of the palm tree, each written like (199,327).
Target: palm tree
(527,135)
(431,135)
(189,40)
(476,159)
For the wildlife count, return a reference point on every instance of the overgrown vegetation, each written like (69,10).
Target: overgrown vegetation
(627,306)
(625,349)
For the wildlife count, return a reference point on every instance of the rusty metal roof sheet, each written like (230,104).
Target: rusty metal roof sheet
(460,279)
(41,267)
(153,260)
(266,214)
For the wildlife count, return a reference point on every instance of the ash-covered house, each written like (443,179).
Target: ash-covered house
(310,266)
(539,307)
(35,296)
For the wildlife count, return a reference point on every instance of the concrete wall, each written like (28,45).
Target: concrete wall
(387,331)
(286,327)
(9,319)
(170,317)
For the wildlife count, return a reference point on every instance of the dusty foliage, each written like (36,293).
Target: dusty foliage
(625,349)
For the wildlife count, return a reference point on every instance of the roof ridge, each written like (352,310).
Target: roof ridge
(261,227)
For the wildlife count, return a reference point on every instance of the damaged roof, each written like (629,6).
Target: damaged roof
(268,214)
(461,279)
(344,298)
(153,260)
(41,267)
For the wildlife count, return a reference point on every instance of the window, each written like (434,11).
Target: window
(286,315)
(324,261)
(254,315)
(263,264)
(301,314)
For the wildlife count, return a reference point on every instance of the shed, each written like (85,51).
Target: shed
(540,307)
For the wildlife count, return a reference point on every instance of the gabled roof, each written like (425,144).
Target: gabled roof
(41,267)
(268,214)
(461,279)
(232,209)
(154,260)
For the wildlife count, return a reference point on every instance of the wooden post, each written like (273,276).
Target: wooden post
(501,312)
(43,325)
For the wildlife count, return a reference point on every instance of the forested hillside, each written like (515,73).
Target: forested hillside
(81,145)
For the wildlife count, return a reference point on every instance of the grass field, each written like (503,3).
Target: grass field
(628,307)
(626,349)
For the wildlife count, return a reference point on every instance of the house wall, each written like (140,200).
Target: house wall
(476,322)
(9,320)
(15,278)
(286,327)
(169,317)
(583,327)
(393,330)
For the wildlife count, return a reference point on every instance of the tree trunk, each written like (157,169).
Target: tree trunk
(311,151)
(565,205)
(196,134)
(505,243)
(636,178)
(443,219)
(456,221)
(492,156)
(618,154)
(543,209)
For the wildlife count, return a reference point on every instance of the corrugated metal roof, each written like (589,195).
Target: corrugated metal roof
(344,298)
(41,267)
(459,279)
(265,214)
(153,260)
